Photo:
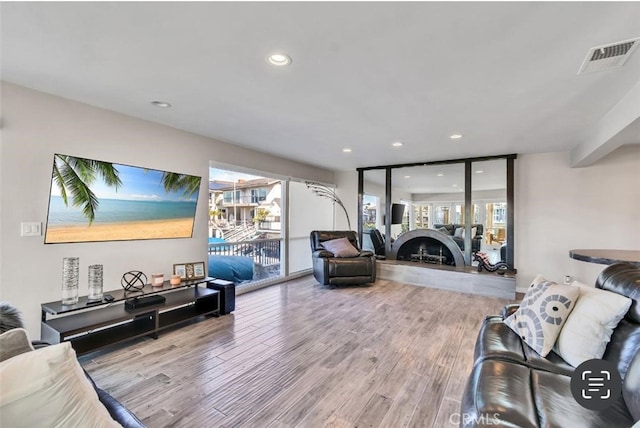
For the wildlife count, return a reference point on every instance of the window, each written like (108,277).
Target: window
(245,242)
(258,195)
(229,196)
(441,215)
(499,213)
(421,216)
(369,212)
(238,231)
(458,216)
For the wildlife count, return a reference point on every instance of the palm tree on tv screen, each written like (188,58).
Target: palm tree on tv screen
(188,184)
(74,176)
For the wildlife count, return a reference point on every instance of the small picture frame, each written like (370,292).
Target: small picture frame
(192,270)
(189,271)
(180,269)
(198,270)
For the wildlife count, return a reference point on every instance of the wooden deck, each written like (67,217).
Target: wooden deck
(301,355)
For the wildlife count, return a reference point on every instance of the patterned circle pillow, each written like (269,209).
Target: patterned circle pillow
(542,313)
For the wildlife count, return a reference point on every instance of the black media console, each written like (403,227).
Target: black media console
(93,326)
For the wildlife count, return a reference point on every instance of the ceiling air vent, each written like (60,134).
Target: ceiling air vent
(609,56)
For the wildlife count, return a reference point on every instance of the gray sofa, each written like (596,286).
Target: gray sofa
(512,386)
(476,240)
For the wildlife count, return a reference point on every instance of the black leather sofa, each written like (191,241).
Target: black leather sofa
(476,240)
(512,386)
(118,412)
(331,270)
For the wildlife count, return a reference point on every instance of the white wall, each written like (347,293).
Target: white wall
(37,125)
(307,212)
(347,189)
(559,208)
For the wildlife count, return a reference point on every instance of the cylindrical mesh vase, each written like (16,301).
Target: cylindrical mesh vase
(95,283)
(70,280)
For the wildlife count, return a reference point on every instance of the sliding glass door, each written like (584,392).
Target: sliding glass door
(259,226)
(245,227)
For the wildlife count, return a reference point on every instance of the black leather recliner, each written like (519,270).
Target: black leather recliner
(331,270)
(510,385)
(377,240)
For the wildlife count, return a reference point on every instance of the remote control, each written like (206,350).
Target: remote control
(108,298)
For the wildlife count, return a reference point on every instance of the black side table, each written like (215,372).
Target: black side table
(227,291)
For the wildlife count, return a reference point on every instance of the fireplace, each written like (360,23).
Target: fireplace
(428,246)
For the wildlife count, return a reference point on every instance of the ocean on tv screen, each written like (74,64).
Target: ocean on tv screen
(119,211)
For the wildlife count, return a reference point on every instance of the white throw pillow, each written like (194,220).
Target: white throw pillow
(542,313)
(341,247)
(47,387)
(474,230)
(459,232)
(588,329)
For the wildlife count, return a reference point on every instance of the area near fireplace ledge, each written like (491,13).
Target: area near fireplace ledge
(463,279)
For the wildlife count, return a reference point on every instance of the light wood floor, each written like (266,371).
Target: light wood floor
(300,355)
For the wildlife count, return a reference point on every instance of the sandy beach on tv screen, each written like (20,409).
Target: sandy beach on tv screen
(152,229)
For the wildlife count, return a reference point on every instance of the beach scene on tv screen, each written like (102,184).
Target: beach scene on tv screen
(93,201)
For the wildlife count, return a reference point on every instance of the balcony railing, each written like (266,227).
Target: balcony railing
(265,252)
(244,200)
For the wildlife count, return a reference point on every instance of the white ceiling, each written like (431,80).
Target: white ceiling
(441,179)
(363,74)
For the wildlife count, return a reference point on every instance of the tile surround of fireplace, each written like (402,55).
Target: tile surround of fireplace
(411,245)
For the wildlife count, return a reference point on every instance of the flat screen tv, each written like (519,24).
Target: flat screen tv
(397,212)
(92,200)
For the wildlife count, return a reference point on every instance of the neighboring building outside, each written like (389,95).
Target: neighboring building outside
(252,205)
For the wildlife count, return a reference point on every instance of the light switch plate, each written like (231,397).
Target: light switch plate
(30,228)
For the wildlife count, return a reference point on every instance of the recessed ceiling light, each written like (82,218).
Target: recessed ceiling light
(407,176)
(279,59)
(455,185)
(161,104)
(479,171)
(460,190)
(346,150)
(440,174)
(455,136)
(398,144)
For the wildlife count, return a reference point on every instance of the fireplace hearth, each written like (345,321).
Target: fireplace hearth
(427,246)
